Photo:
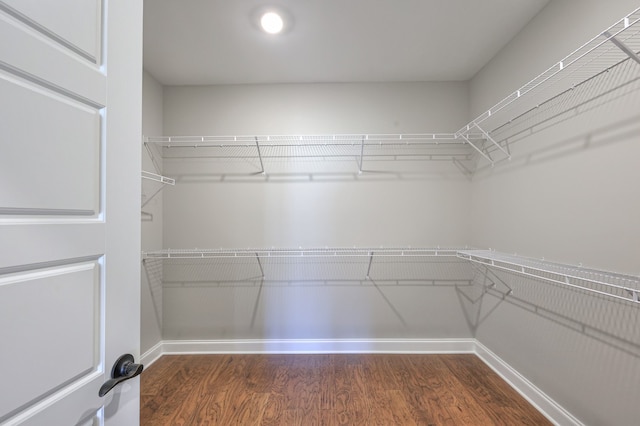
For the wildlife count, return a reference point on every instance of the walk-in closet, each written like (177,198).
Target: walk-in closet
(466,183)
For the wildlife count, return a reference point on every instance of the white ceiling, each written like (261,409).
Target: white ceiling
(189,42)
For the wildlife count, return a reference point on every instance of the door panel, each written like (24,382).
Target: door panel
(53,311)
(51,158)
(69,209)
(37,57)
(72,23)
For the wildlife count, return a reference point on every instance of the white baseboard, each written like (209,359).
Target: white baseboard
(295,346)
(547,406)
(152,355)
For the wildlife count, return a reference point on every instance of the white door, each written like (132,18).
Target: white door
(70,101)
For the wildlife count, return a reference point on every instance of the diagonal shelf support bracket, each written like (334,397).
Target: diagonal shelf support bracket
(490,139)
(487,272)
(626,49)
(361,156)
(259,155)
(369,268)
(480,151)
(260,265)
(152,156)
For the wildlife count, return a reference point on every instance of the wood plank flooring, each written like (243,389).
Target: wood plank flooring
(329,389)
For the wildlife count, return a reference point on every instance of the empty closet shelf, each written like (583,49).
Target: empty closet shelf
(316,266)
(618,286)
(602,69)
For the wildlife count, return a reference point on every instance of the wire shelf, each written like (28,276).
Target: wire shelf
(339,140)
(618,286)
(151,189)
(327,252)
(312,266)
(387,266)
(605,67)
(358,148)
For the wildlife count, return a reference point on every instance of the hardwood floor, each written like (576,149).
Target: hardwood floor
(346,389)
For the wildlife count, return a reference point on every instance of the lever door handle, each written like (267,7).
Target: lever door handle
(123,369)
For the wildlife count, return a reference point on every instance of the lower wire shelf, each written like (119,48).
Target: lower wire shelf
(371,266)
(310,266)
(618,286)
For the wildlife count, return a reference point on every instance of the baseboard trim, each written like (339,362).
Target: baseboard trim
(301,346)
(152,355)
(547,406)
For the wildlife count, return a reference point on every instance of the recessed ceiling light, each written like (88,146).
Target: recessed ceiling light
(272,23)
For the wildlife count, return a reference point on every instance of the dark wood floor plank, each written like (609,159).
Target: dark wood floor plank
(329,389)
(497,398)
(182,393)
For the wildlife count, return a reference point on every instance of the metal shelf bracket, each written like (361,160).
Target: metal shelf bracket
(622,46)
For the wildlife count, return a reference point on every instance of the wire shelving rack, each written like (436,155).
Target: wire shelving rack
(319,266)
(605,67)
(386,265)
(617,286)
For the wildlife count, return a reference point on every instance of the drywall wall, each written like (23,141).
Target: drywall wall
(151,286)
(569,194)
(316,204)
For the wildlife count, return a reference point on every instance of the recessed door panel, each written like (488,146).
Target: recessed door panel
(50,328)
(74,24)
(51,151)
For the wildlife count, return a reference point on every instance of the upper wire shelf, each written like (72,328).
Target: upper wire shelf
(298,253)
(606,66)
(326,140)
(362,148)
(618,286)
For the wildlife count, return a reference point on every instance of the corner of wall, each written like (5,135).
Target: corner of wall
(151,216)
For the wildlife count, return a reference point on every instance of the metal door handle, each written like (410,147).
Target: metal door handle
(123,369)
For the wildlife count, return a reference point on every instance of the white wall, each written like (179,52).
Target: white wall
(569,195)
(151,288)
(371,210)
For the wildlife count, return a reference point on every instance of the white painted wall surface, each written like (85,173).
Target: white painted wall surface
(151,289)
(570,194)
(315,108)
(367,211)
